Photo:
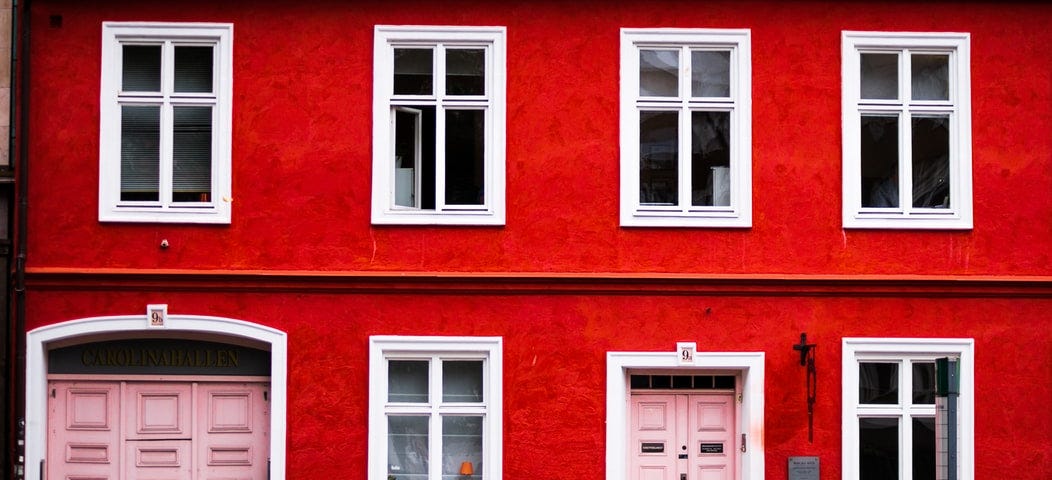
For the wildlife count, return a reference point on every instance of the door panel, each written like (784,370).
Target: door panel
(682,434)
(84,428)
(232,440)
(158,411)
(158,460)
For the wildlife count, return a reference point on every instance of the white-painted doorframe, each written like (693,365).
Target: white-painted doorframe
(748,365)
(220,329)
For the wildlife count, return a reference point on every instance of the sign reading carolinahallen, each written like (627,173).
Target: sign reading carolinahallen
(159,356)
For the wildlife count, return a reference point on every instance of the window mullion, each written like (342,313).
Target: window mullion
(906,160)
(439,75)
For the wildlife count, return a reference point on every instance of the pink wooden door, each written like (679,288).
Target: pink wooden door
(83,430)
(158,431)
(233,436)
(683,437)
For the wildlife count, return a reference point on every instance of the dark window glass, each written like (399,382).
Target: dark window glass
(710,158)
(880,161)
(193,69)
(924,448)
(703,381)
(192,154)
(462,381)
(658,158)
(465,157)
(140,152)
(407,381)
(141,68)
(682,382)
(413,71)
(878,383)
(640,381)
(661,381)
(465,71)
(924,383)
(724,381)
(879,448)
(931,162)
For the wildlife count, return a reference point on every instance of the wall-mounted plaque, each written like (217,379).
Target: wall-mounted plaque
(803,468)
(652,447)
(712,448)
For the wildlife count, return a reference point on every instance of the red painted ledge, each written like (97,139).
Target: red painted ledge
(525,283)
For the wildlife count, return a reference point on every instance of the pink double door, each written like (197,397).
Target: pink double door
(101,430)
(683,437)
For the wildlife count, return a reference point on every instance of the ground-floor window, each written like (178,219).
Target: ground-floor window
(435,408)
(890,429)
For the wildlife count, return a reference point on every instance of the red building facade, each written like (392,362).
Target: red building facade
(476,241)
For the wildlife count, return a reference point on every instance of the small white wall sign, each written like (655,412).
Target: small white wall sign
(685,352)
(157,316)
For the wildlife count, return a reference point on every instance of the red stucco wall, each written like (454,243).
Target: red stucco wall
(302,133)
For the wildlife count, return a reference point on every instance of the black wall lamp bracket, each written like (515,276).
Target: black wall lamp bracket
(807,358)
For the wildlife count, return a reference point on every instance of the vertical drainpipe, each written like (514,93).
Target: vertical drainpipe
(20,137)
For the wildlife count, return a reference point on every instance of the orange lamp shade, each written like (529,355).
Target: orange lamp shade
(466,469)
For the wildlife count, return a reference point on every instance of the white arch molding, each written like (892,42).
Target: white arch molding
(196,326)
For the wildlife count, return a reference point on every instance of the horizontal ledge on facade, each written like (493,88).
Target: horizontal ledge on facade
(536,283)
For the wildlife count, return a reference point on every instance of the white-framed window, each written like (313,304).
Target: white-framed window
(165,122)
(889,407)
(435,408)
(907,130)
(686,128)
(438,125)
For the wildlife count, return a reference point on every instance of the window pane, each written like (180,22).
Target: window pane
(931,79)
(658,158)
(710,159)
(192,154)
(924,448)
(193,69)
(878,440)
(659,73)
(407,381)
(924,383)
(878,383)
(461,447)
(140,152)
(465,157)
(413,71)
(880,76)
(407,451)
(141,68)
(710,74)
(880,161)
(465,72)
(407,157)
(462,381)
(931,162)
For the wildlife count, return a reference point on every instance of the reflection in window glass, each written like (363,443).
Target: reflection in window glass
(710,73)
(462,381)
(659,73)
(407,381)
(930,77)
(880,76)
(413,71)
(710,159)
(931,161)
(658,157)
(880,161)
(878,383)
(465,72)
(461,443)
(878,440)
(407,446)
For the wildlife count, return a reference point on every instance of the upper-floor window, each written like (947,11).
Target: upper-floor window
(435,408)
(165,114)
(438,125)
(686,128)
(906,130)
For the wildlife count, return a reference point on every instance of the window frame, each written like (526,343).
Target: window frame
(489,349)
(114,34)
(958,107)
(858,350)
(739,104)
(386,39)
